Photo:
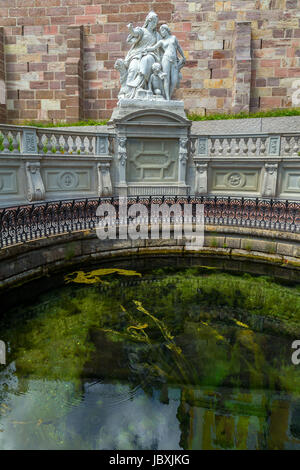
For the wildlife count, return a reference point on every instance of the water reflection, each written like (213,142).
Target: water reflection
(170,370)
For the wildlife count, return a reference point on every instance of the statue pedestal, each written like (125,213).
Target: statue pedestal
(126,107)
(152,147)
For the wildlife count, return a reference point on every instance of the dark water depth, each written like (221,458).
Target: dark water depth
(168,359)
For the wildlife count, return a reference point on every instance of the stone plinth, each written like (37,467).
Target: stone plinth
(151,151)
(126,106)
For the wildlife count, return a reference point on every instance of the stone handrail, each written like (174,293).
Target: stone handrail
(41,141)
(246,145)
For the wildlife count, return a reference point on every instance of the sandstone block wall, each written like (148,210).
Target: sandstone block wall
(242,54)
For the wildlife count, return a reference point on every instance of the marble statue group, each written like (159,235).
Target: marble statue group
(151,69)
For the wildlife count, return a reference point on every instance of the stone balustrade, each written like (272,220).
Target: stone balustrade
(41,163)
(42,141)
(248,145)
(44,164)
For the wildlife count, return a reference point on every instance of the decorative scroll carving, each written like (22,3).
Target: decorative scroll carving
(183,156)
(35,185)
(67,180)
(122,157)
(269,180)
(104,179)
(122,154)
(183,148)
(201,178)
(21,223)
(235,180)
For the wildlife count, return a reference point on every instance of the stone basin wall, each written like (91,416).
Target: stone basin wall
(232,248)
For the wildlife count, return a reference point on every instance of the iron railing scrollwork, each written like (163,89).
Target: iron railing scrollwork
(24,223)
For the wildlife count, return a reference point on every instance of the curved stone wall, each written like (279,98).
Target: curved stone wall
(231,248)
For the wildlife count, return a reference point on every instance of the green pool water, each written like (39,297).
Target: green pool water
(165,359)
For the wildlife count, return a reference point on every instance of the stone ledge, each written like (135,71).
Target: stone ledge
(38,257)
(235,259)
(126,107)
(276,125)
(210,231)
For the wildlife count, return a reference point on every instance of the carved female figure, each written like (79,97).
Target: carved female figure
(171,65)
(138,60)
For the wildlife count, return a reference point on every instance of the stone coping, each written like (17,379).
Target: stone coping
(224,127)
(272,256)
(210,231)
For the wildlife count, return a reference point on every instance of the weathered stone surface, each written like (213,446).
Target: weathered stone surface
(236,126)
(242,68)
(232,242)
(126,107)
(286,249)
(256,125)
(21,263)
(214,241)
(258,245)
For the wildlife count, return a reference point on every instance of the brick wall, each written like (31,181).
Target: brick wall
(49,77)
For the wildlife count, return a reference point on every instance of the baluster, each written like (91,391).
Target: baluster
(56,143)
(237,145)
(49,143)
(262,148)
(212,146)
(245,147)
(74,145)
(90,149)
(15,142)
(242,145)
(296,146)
(287,145)
(221,149)
(82,146)
(253,146)
(66,143)
(229,144)
(5,143)
(40,143)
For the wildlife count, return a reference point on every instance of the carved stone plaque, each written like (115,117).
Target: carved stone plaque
(29,141)
(102,145)
(152,160)
(202,146)
(274,145)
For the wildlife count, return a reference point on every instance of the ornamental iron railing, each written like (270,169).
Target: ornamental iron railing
(24,223)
